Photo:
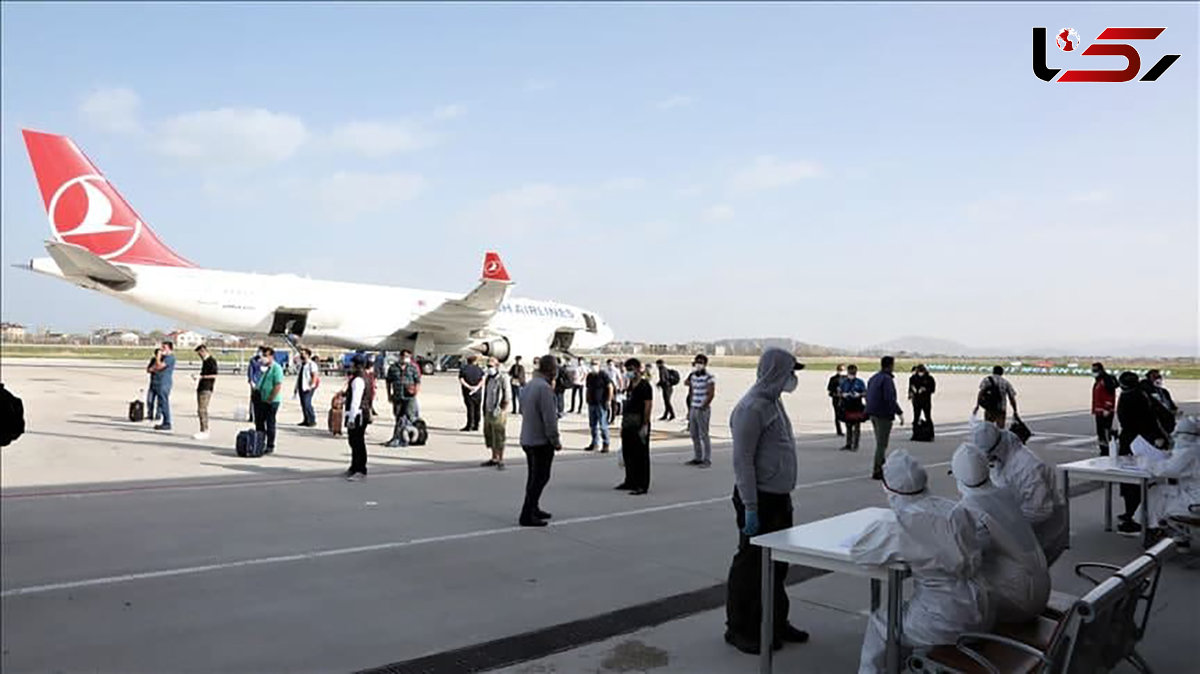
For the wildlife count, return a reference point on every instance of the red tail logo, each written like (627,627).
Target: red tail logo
(493,268)
(86,210)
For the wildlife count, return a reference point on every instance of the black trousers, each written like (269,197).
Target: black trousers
(1131,494)
(474,404)
(837,414)
(636,454)
(1104,423)
(538,459)
(668,408)
(743,601)
(577,399)
(357,436)
(264,420)
(922,405)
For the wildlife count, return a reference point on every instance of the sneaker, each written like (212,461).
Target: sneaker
(693,462)
(639,492)
(589,448)
(543,515)
(532,523)
(1129,528)
(705,464)
(793,635)
(499,465)
(356,477)
(392,444)
(604,449)
(487,464)
(203,435)
(162,427)
(877,476)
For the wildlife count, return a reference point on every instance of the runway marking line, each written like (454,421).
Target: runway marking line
(377,547)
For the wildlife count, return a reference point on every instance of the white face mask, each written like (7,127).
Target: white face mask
(792,382)
(630,375)
(698,367)
(491,371)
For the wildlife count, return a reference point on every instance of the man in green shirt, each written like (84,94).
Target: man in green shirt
(270,392)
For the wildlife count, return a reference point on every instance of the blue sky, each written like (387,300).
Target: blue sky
(840,173)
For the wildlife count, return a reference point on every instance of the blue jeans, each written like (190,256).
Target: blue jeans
(598,422)
(306,407)
(151,402)
(164,405)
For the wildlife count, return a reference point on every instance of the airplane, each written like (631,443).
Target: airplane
(100,243)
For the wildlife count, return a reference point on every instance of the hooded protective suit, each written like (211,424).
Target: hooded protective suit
(764,445)
(1183,466)
(1014,568)
(1032,483)
(938,541)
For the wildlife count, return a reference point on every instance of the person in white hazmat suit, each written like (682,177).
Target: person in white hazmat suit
(1182,467)
(938,541)
(1032,482)
(1014,568)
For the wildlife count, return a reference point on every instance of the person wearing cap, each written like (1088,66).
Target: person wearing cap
(1180,474)
(764,469)
(1014,568)
(883,409)
(1032,482)
(1138,417)
(939,542)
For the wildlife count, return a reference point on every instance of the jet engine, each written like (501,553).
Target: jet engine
(498,348)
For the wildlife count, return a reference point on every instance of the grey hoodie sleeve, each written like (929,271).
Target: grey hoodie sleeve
(548,407)
(747,429)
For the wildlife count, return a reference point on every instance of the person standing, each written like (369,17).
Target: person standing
(883,409)
(1164,406)
(665,383)
(764,468)
(470,378)
(702,388)
(834,388)
(516,375)
(166,378)
(495,412)
(270,393)
(600,392)
(921,387)
(357,418)
(152,387)
(403,386)
(635,431)
(614,375)
(854,407)
(1135,411)
(563,382)
(307,381)
(254,372)
(1104,404)
(995,395)
(539,438)
(578,382)
(204,389)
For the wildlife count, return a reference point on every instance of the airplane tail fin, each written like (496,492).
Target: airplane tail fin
(85,210)
(493,268)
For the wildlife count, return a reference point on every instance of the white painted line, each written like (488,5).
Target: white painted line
(378,547)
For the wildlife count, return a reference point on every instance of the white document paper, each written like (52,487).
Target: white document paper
(1147,451)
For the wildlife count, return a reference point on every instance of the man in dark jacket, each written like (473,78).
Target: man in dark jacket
(883,409)
(1164,406)
(834,389)
(470,380)
(1135,411)
(1104,404)
(921,387)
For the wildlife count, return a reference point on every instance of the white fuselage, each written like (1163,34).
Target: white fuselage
(352,315)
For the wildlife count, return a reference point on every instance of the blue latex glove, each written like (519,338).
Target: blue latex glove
(751,528)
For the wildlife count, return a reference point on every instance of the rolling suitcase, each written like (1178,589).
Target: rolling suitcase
(922,431)
(137,410)
(251,444)
(336,413)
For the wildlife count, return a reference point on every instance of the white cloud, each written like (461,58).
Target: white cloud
(451,111)
(1092,197)
(689,191)
(232,135)
(676,101)
(380,139)
(112,110)
(719,213)
(623,184)
(525,208)
(534,84)
(346,196)
(769,172)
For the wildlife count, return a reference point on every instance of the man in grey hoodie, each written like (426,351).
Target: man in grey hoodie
(539,438)
(764,467)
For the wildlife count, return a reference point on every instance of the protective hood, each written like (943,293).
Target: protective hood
(970,467)
(776,368)
(985,435)
(904,475)
(1188,426)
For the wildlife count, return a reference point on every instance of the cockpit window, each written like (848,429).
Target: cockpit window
(590,321)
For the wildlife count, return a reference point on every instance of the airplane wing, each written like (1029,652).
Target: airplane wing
(456,321)
(77,262)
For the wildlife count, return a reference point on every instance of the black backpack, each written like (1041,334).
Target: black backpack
(991,398)
(12,417)
(673,377)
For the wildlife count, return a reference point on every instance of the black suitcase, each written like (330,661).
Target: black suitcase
(137,411)
(251,444)
(922,431)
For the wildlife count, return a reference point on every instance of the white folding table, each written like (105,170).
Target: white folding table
(825,544)
(1123,470)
